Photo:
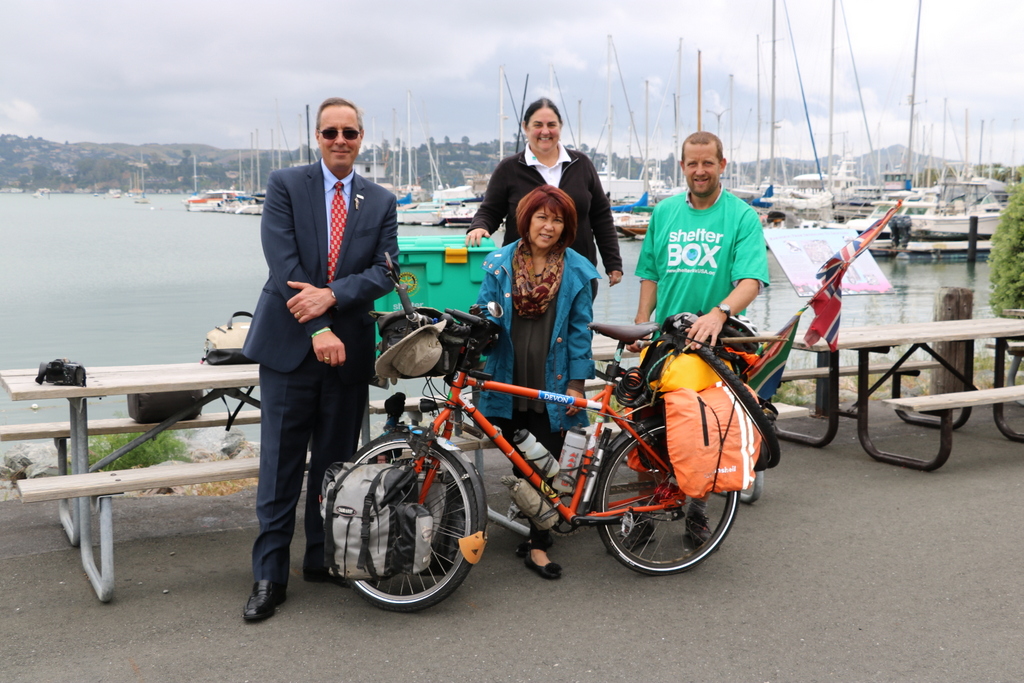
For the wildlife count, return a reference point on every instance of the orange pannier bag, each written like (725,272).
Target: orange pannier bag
(712,442)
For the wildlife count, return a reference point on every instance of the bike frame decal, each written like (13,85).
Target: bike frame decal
(551,397)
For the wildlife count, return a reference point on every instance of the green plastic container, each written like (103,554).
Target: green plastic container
(440,271)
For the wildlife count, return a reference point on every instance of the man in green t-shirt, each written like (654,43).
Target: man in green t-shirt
(704,253)
(705,250)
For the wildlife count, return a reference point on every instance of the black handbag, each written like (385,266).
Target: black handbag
(157,407)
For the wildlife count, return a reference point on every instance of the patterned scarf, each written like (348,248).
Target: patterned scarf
(531,295)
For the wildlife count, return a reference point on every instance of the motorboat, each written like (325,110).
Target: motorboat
(211,200)
(459,213)
(944,214)
(422,213)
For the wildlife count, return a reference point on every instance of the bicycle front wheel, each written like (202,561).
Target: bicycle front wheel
(662,542)
(456,501)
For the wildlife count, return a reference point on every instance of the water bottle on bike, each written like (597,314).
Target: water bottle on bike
(535,452)
(573,448)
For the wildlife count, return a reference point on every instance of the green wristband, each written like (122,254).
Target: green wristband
(326,329)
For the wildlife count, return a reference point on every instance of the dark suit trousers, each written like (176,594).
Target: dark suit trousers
(306,407)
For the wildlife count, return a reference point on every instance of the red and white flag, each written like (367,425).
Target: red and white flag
(828,300)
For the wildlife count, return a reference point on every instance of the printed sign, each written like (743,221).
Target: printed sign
(801,252)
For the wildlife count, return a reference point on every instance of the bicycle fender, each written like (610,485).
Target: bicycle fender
(472,547)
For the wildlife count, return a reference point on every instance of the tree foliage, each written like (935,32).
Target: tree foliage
(1006,262)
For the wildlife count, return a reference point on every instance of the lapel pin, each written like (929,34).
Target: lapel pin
(359,198)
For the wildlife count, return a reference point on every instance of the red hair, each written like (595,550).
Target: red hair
(554,200)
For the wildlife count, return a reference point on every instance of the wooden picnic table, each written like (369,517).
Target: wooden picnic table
(218,380)
(880,339)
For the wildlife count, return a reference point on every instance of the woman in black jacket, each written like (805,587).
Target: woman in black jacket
(545,161)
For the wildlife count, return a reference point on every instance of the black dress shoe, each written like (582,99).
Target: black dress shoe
(323,575)
(552,570)
(266,596)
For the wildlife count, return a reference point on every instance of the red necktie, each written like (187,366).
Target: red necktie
(339,216)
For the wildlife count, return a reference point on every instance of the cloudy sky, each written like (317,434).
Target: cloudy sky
(216,72)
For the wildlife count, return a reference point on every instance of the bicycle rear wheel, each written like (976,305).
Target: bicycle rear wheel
(456,501)
(659,542)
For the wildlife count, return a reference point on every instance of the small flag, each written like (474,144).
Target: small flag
(828,300)
(765,375)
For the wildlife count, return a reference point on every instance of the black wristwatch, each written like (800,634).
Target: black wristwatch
(725,308)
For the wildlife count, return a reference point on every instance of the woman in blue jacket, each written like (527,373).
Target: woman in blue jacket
(545,289)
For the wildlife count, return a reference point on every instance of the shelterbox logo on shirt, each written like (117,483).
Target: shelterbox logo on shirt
(693,248)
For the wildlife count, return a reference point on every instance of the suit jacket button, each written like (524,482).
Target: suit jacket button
(507,295)
(558,377)
(559,340)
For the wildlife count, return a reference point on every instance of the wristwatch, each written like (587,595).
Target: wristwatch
(725,308)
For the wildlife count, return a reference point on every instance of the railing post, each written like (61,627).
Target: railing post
(972,240)
(951,303)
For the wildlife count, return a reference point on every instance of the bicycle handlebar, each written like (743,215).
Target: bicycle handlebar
(473,320)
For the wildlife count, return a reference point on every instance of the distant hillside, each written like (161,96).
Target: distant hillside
(34,162)
(31,163)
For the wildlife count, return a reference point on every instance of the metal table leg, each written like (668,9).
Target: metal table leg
(68,512)
(827,404)
(755,491)
(997,409)
(943,419)
(102,576)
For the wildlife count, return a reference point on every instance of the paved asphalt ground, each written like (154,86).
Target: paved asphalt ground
(846,570)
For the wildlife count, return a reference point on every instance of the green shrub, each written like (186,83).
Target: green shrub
(164,446)
(1006,262)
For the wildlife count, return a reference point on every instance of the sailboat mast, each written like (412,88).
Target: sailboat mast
(699,125)
(647,134)
(831,95)
(579,122)
(913,96)
(757,167)
(408,131)
(501,114)
(771,136)
(609,162)
(967,144)
(732,159)
(679,90)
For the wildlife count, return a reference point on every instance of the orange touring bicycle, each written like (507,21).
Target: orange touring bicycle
(624,484)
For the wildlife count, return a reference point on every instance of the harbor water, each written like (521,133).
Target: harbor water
(105,281)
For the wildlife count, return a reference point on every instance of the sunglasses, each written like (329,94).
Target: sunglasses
(347,133)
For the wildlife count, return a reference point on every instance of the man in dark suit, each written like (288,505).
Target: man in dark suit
(325,232)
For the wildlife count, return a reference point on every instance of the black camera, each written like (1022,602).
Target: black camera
(61,371)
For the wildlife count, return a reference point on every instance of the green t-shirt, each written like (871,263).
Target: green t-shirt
(697,256)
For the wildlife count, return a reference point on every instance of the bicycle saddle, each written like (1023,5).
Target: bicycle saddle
(625,333)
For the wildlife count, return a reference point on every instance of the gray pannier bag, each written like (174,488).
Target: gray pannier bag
(374,527)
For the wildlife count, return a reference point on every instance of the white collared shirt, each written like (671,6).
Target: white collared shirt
(346,193)
(551,174)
